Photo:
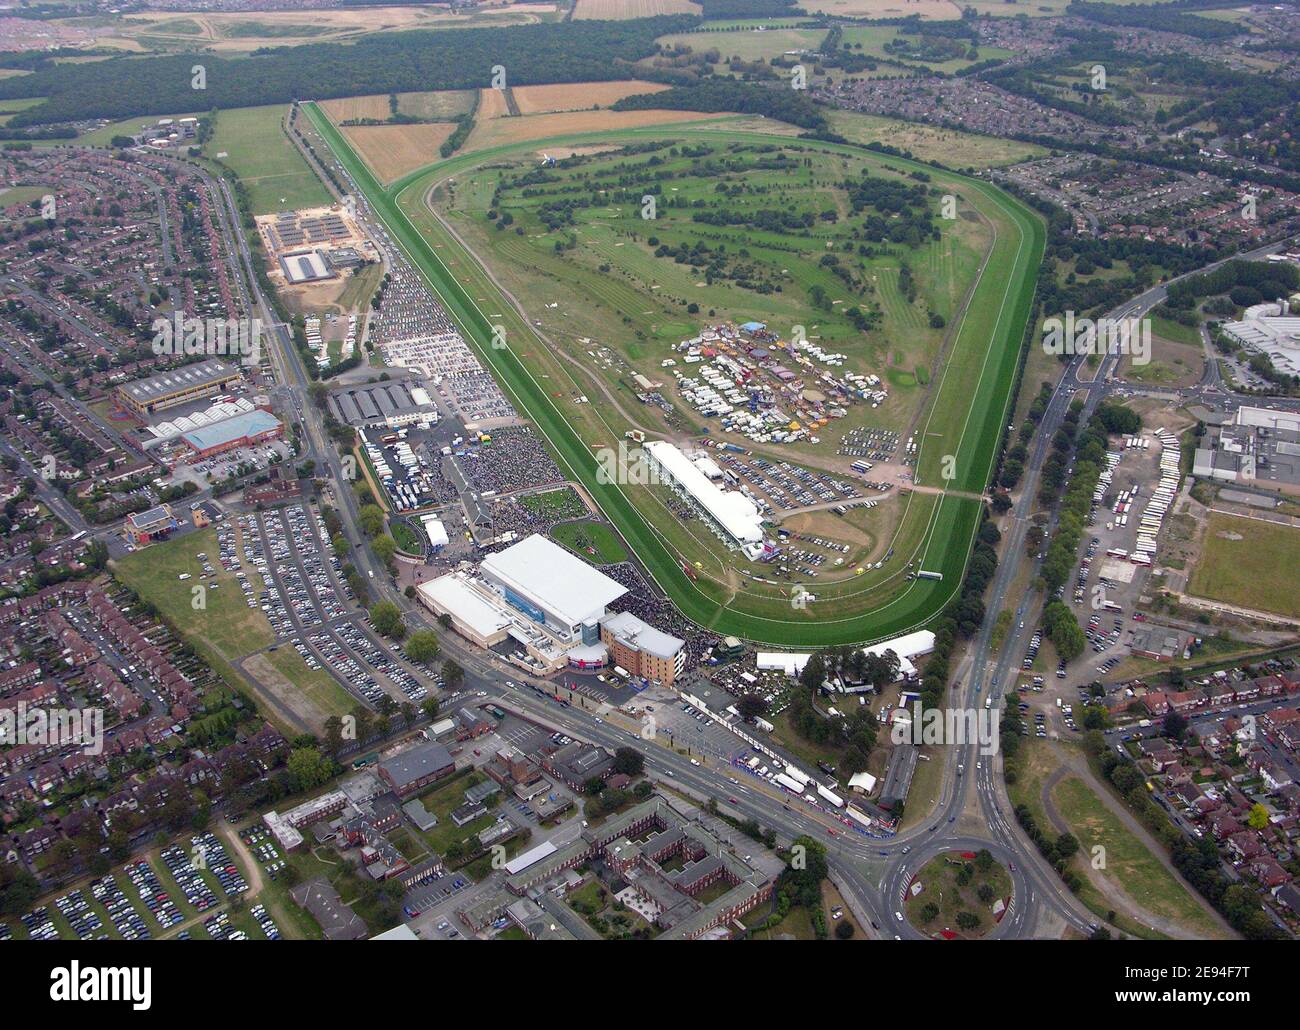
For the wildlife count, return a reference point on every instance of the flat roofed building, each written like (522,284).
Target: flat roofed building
(144,527)
(643,650)
(551,586)
(471,616)
(416,768)
(177,386)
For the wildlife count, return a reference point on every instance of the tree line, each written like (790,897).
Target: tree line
(397,62)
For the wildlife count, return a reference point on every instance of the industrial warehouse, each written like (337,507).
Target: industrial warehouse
(538,597)
(177,386)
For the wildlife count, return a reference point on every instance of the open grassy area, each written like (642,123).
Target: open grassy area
(271,168)
(318,686)
(1129,866)
(966,403)
(932,143)
(1247,561)
(441,800)
(595,541)
(225,623)
(953,884)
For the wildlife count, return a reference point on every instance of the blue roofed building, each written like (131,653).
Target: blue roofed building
(246,430)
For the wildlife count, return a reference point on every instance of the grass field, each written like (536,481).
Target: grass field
(968,404)
(226,632)
(1036,762)
(11,196)
(1249,562)
(594,541)
(271,168)
(316,685)
(962,150)
(226,624)
(1129,865)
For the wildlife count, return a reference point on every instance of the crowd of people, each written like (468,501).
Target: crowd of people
(514,459)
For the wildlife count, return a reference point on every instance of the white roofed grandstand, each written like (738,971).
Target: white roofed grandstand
(730,511)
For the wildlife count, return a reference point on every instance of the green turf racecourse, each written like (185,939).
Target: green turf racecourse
(992,323)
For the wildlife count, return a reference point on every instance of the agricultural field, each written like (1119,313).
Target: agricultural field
(621,10)
(392,151)
(555,274)
(271,168)
(437,105)
(495,130)
(580,96)
(927,10)
(347,109)
(238,32)
(1249,562)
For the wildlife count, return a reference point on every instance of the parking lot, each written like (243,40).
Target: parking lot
(309,604)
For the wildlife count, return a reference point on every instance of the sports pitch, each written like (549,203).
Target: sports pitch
(963,419)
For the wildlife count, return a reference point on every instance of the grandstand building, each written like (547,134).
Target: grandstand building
(177,386)
(732,515)
(535,599)
(552,587)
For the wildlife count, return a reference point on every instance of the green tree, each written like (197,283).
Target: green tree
(309,767)
(423,646)
(387,619)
